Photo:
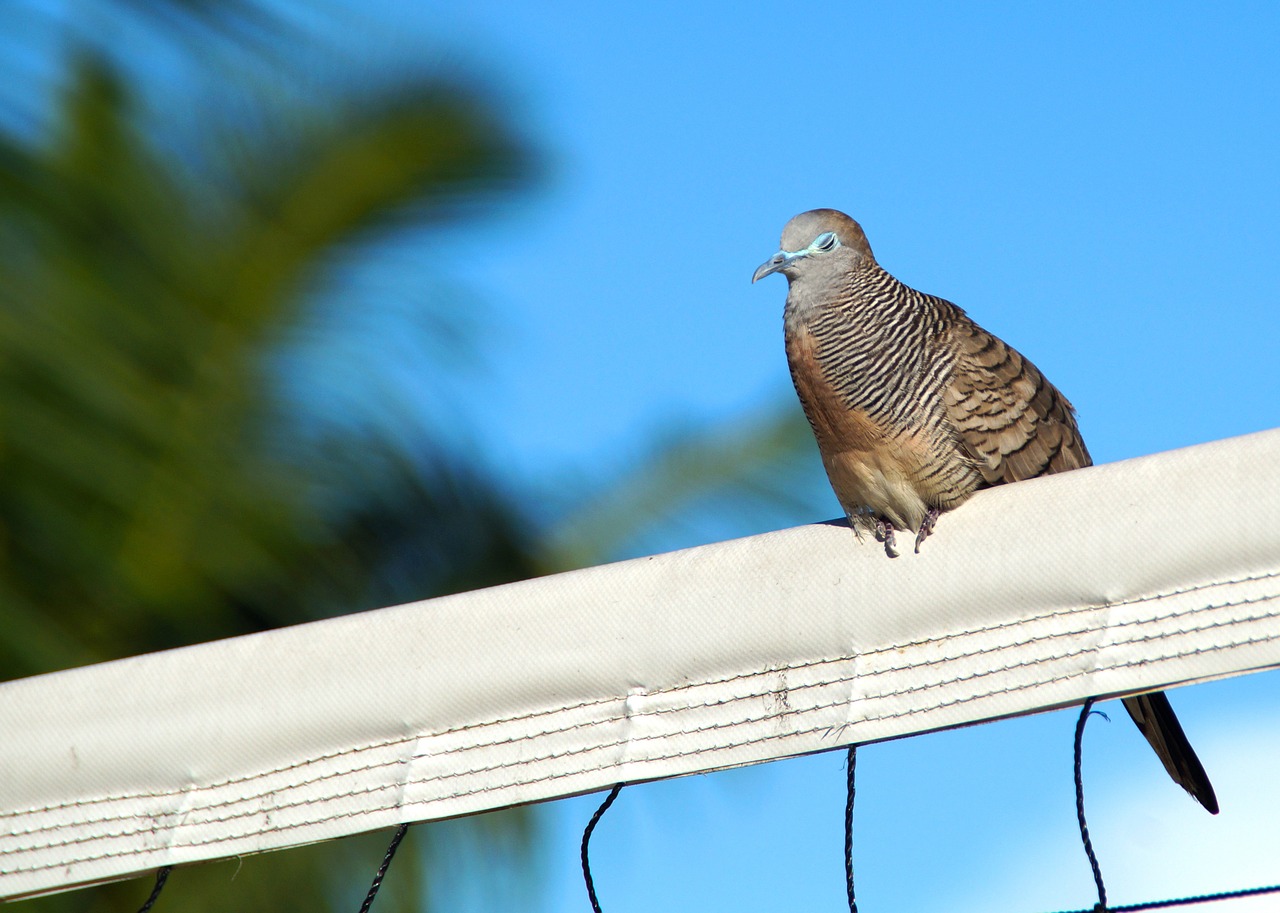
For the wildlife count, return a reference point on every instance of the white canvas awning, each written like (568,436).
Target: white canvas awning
(1148,573)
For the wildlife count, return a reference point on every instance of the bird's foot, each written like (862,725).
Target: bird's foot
(884,533)
(930,520)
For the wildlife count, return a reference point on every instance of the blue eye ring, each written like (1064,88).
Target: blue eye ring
(826,241)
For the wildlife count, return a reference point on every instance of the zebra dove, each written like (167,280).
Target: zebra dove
(915,407)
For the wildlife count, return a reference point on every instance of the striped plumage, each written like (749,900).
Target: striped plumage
(915,407)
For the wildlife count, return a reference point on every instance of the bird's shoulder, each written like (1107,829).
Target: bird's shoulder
(1006,414)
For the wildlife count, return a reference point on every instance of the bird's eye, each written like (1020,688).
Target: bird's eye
(825,241)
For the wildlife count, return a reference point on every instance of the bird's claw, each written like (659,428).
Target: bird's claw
(884,533)
(926,527)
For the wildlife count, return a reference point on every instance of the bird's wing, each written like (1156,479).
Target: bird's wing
(1007,416)
(1016,425)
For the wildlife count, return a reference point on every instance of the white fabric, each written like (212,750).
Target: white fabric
(1105,581)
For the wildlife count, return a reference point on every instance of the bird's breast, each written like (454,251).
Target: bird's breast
(877,466)
(836,425)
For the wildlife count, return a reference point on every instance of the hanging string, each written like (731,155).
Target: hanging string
(382,869)
(1101,906)
(848,827)
(162,875)
(586,841)
(1084,827)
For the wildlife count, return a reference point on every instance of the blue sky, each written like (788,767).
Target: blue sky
(1098,189)
(1096,185)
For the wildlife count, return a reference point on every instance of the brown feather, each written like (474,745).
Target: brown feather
(1007,416)
(1155,719)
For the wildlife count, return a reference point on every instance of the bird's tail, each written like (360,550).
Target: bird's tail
(1156,721)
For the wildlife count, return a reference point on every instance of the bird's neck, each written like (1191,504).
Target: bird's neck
(867,298)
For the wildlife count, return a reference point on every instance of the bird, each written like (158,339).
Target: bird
(915,407)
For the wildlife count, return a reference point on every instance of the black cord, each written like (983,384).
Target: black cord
(848,827)
(1199,898)
(1186,901)
(382,869)
(586,840)
(1084,827)
(1093,859)
(162,875)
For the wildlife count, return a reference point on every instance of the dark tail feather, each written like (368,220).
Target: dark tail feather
(1157,722)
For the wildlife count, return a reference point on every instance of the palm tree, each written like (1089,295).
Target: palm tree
(164,480)
(158,485)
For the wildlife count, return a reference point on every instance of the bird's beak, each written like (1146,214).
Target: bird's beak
(777,262)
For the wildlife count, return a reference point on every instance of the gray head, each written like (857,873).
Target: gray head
(817,244)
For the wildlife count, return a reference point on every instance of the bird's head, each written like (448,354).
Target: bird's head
(818,242)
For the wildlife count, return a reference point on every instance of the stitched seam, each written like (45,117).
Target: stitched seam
(756,741)
(206,820)
(893,648)
(800,687)
(796,688)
